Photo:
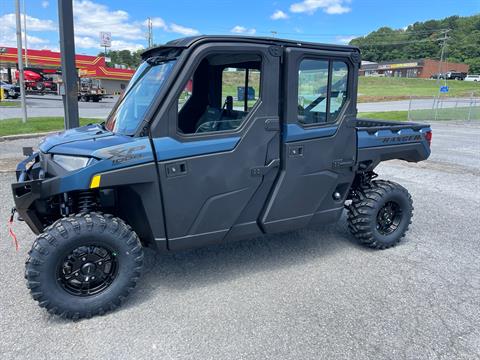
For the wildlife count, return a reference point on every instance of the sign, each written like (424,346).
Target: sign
(241,93)
(3,50)
(105,39)
(398,66)
(444,89)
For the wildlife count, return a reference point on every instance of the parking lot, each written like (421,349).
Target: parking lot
(51,105)
(310,294)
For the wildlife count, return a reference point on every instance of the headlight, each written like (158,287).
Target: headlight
(71,162)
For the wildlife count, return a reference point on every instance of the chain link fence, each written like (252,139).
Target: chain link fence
(440,108)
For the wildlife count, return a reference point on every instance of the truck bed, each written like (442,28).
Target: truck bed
(379,140)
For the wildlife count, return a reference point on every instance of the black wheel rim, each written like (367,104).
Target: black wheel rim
(88,270)
(389,218)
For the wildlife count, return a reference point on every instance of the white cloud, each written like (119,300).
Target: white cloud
(34,40)
(8,21)
(345,39)
(278,15)
(8,33)
(337,9)
(90,18)
(159,23)
(125,45)
(183,30)
(86,42)
(243,30)
(328,6)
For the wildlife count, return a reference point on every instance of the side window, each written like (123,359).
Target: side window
(312,91)
(338,92)
(234,84)
(185,94)
(220,94)
(322,90)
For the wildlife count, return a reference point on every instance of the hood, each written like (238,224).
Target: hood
(82,141)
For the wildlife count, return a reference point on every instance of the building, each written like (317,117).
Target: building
(113,80)
(423,68)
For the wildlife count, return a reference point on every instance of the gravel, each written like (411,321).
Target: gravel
(310,294)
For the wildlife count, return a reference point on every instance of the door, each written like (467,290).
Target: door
(319,143)
(225,141)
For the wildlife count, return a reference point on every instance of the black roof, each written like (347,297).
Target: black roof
(193,40)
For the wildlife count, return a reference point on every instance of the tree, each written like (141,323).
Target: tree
(422,40)
(124,57)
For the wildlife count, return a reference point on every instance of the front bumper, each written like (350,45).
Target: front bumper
(32,186)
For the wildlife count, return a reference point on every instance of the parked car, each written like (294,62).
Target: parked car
(455,75)
(172,174)
(11,91)
(472,78)
(437,76)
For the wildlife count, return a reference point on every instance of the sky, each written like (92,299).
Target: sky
(327,21)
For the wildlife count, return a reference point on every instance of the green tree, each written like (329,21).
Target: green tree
(423,40)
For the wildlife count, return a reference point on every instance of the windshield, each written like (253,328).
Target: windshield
(139,95)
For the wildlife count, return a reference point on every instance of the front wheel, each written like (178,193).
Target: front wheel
(84,265)
(380,214)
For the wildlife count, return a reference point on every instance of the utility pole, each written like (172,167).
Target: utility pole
(149,33)
(442,56)
(25,32)
(20,61)
(69,71)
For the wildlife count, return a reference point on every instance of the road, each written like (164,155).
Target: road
(51,105)
(310,294)
(416,104)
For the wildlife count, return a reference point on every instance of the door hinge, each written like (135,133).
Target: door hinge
(263,170)
(343,163)
(275,50)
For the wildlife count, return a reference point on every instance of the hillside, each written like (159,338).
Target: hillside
(422,40)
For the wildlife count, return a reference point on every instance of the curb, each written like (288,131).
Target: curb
(26,136)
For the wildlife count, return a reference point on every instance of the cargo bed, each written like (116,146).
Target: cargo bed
(380,140)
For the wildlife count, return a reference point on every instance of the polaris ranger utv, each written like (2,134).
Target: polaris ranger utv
(216,139)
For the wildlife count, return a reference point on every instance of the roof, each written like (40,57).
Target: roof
(89,66)
(186,42)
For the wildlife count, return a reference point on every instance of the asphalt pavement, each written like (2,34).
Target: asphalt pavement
(309,294)
(52,105)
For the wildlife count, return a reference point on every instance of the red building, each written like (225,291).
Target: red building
(422,68)
(112,79)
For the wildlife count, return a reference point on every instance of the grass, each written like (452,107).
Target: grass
(455,114)
(385,115)
(35,125)
(387,88)
(9,104)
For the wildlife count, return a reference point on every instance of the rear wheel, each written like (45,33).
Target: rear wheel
(84,265)
(380,214)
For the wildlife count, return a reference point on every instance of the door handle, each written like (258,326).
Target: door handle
(343,163)
(295,151)
(263,170)
(176,169)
